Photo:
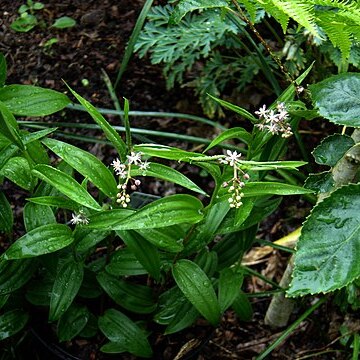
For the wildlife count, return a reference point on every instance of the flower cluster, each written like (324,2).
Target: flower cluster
(79,218)
(123,171)
(236,184)
(274,121)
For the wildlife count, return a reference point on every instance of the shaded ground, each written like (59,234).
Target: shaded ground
(98,42)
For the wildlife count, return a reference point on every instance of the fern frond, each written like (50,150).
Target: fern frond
(280,16)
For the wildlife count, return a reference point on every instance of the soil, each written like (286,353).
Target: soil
(98,42)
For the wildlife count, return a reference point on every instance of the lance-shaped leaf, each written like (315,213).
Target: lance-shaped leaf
(66,286)
(12,322)
(42,240)
(86,164)
(108,130)
(273,188)
(37,215)
(229,286)
(171,210)
(108,219)
(197,288)
(328,252)
(166,152)
(132,297)
(55,201)
(118,328)
(9,126)
(123,262)
(66,185)
(242,307)
(169,174)
(6,214)
(338,98)
(28,100)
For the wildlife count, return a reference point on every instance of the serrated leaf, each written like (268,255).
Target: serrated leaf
(327,256)
(3,70)
(64,22)
(37,215)
(14,274)
(66,286)
(6,214)
(171,210)
(12,322)
(118,328)
(338,98)
(72,322)
(332,149)
(42,240)
(86,164)
(28,100)
(66,185)
(8,126)
(229,286)
(123,262)
(146,253)
(186,6)
(132,297)
(109,131)
(197,288)
(169,174)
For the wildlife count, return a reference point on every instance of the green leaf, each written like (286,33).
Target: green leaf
(197,288)
(169,174)
(146,253)
(86,164)
(89,288)
(66,286)
(109,131)
(184,317)
(229,286)
(338,98)
(66,185)
(124,263)
(38,291)
(108,219)
(186,6)
(321,182)
(132,297)
(12,322)
(86,239)
(37,215)
(64,22)
(14,274)
(171,210)
(37,153)
(242,307)
(119,328)
(9,126)
(42,240)
(327,256)
(55,201)
(72,322)
(207,261)
(3,70)
(28,100)
(273,188)
(233,133)
(6,214)
(332,149)
(17,170)
(24,23)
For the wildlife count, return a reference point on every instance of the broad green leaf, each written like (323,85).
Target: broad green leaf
(169,174)
(86,164)
(39,290)
(90,289)
(184,317)
(6,153)
(72,322)
(186,6)
(66,286)
(338,98)
(327,256)
(91,328)
(109,131)
(207,261)
(197,288)
(114,348)
(66,185)
(37,153)
(17,170)
(64,22)
(28,138)
(28,100)
(55,201)
(321,182)
(332,149)
(14,274)
(37,215)
(132,297)
(234,133)
(171,210)
(146,253)
(119,328)
(108,219)
(242,307)
(124,263)
(12,322)
(6,214)
(86,239)
(273,188)
(42,240)
(3,70)
(3,300)
(24,23)
(8,126)
(229,286)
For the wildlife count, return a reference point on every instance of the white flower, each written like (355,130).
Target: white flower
(119,168)
(232,157)
(79,218)
(262,112)
(134,158)
(144,165)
